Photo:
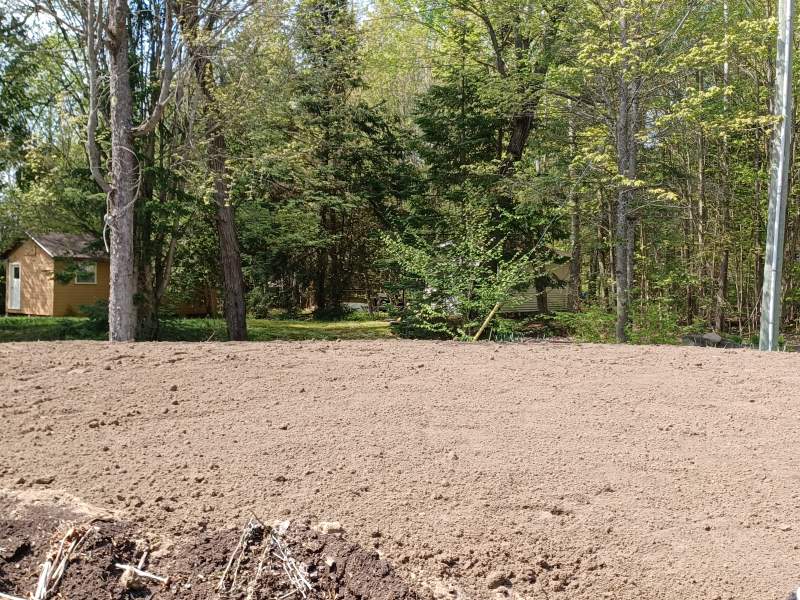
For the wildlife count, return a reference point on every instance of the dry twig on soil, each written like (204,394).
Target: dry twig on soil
(130,573)
(55,563)
(294,570)
(249,534)
(275,547)
(251,588)
(141,573)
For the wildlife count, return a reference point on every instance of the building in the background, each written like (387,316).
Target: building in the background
(58,274)
(55,274)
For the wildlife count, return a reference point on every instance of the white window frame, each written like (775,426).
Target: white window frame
(93,266)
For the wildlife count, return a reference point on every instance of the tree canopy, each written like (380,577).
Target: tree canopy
(433,158)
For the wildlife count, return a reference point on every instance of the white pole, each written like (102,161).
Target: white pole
(779,181)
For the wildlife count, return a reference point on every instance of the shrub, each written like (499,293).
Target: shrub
(97,315)
(453,283)
(333,313)
(655,322)
(593,324)
(259,302)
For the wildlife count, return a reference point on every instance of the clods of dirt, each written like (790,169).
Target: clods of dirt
(577,472)
(291,560)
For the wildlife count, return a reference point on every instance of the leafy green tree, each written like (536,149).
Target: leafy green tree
(455,278)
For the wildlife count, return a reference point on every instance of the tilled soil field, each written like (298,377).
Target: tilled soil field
(456,471)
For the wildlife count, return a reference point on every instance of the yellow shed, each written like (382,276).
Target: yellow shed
(55,274)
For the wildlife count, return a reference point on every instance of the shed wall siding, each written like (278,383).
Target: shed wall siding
(556,297)
(69,297)
(36,270)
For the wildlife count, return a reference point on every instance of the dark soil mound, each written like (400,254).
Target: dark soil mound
(265,564)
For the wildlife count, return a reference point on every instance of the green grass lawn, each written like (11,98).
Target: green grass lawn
(28,329)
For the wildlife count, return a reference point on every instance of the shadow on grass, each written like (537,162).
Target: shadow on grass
(28,329)
(33,329)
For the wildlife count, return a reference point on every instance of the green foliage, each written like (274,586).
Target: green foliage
(260,302)
(23,329)
(454,280)
(96,316)
(459,128)
(655,323)
(69,270)
(594,324)
(320,174)
(34,329)
(652,323)
(340,312)
(368,151)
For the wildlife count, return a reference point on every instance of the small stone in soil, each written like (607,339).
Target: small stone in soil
(497,579)
(329,527)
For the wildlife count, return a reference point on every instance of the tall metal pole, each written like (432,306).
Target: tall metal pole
(779,181)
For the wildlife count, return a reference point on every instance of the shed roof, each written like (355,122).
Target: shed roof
(68,245)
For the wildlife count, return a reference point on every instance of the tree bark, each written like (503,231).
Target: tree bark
(229,253)
(574,295)
(146,247)
(576,259)
(722,273)
(216,160)
(541,297)
(520,131)
(630,253)
(121,308)
(626,165)
(123,189)
(722,292)
(621,266)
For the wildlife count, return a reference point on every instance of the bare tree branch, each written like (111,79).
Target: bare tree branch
(92,48)
(166,81)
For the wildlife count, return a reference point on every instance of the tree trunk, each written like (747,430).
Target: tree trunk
(574,296)
(321,271)
(229,253)
(574,292)
(722,292)
(541,297)
(121,309)
(626,125)
(630,253)
(520,131)
(594,274)
(621,216)
(189,16)
(621,266)
(722,273)
(146,247)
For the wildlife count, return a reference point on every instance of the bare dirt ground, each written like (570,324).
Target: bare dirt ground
(533,471)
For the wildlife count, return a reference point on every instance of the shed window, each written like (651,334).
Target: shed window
(86,273)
